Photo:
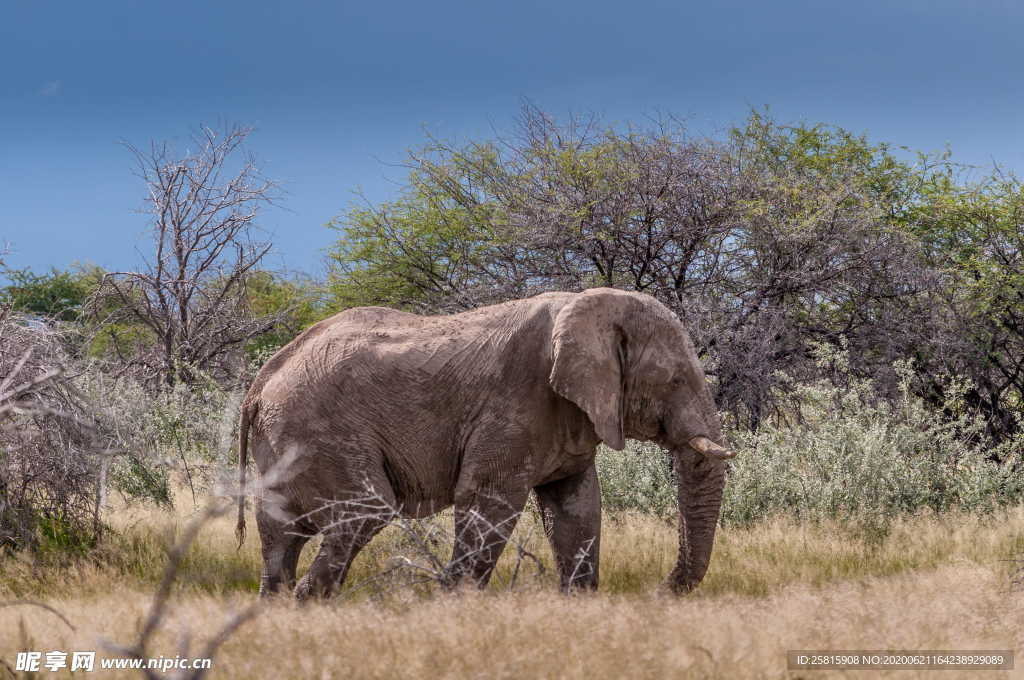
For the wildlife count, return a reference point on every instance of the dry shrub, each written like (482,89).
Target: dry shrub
(50,470)
(71,434)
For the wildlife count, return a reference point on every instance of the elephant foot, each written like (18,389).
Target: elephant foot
(306,590)
(680,584)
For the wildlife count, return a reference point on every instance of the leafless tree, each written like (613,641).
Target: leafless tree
(188,298)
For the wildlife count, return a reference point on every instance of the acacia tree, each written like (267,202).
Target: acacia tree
(765,242)
(189,297)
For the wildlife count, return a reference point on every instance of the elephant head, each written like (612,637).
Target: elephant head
(629,364)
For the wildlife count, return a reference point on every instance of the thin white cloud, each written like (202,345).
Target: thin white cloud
(50,89)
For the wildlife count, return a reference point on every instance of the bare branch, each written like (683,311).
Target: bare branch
(203,206)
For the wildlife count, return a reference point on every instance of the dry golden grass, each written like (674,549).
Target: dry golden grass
(930,583)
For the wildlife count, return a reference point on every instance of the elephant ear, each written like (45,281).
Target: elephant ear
(589,345)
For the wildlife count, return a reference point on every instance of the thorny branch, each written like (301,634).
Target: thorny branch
(423,540)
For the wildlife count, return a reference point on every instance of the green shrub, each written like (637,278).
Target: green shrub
(60,536)
(637,478)
(850,455)
(186,431)
(842,453)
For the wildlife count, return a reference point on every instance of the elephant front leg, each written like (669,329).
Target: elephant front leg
(571,509)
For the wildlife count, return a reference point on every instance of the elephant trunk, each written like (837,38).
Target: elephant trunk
(700,479)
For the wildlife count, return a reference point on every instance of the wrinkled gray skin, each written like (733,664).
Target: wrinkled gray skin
(476,410)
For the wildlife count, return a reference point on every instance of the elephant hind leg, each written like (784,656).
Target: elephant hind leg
(571,508)
(282,543)
(347,526)
(483,524)
(338,550)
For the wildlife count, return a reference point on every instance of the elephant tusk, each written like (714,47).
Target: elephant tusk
(711,449)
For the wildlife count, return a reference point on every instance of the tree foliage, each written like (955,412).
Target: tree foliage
(766,242)
(56,295)
(972,234)
(296,302)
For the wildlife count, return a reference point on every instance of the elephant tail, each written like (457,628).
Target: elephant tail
(243,448)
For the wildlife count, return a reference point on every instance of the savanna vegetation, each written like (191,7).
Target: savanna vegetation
(859,309)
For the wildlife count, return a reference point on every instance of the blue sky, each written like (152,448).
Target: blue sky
(339,90)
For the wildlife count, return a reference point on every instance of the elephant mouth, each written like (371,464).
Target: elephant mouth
(710,449)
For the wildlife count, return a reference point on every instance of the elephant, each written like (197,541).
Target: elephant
(475,410)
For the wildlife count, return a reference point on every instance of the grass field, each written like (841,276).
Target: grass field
(930,582)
